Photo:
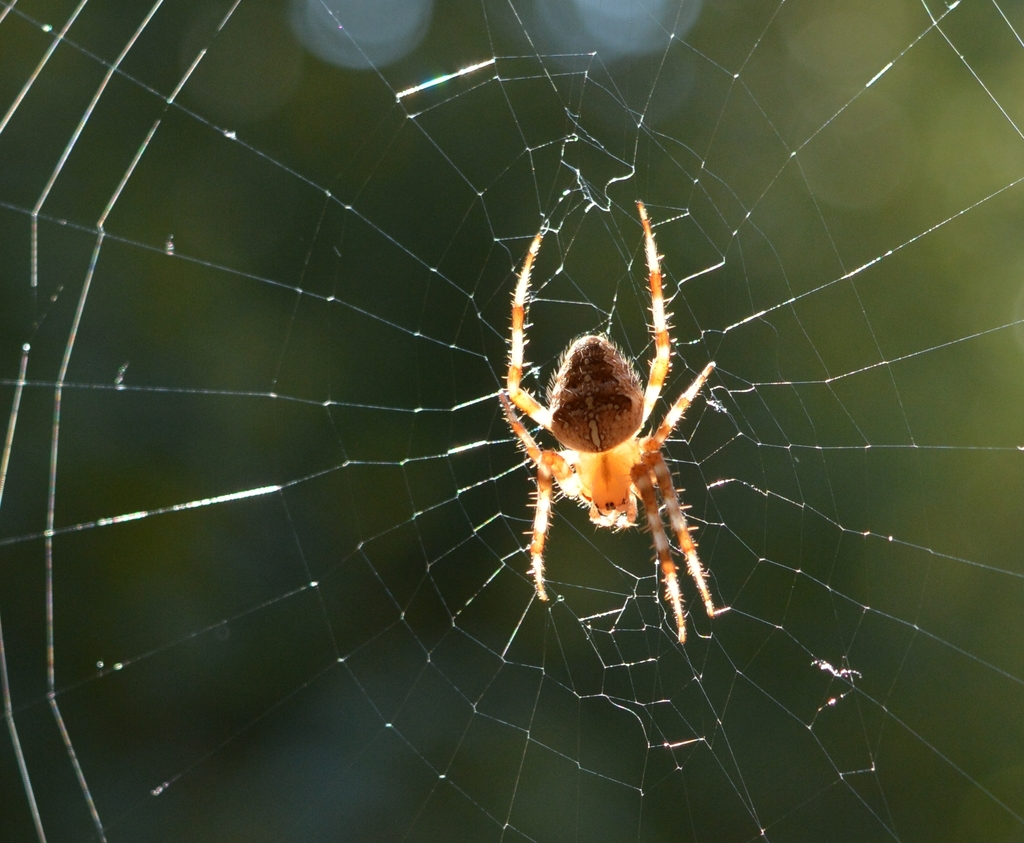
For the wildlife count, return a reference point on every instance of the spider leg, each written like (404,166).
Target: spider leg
(550,464)
(662,344)
(675,413)
(657,464)
(523,400)
(641,475)
(541,525)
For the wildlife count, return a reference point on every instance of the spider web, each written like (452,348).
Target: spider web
(262,568)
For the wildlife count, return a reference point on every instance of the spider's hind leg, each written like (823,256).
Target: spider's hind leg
(662,344)
(675,412)
(521,397)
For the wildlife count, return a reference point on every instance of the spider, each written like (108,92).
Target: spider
(596,413)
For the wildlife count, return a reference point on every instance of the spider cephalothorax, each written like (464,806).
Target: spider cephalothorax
(597,410)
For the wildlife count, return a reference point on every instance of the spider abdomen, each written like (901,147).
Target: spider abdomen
(595,397)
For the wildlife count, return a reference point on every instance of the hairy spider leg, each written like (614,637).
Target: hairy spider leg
(675,412)
(523,400)
(657,464)
(549,464)
(641,474)
(662,345)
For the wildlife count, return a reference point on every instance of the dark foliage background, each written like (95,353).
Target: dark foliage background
(263,512)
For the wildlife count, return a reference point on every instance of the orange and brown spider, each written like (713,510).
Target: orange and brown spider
(596,412)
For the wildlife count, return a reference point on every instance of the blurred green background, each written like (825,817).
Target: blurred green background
(286,591)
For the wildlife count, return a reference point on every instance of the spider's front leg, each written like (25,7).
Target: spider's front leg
(641,474)
(550,464)
(541,525)
(679,526)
